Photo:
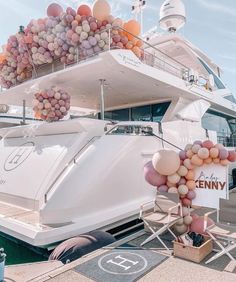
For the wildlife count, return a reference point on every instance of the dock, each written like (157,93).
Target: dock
(126,261)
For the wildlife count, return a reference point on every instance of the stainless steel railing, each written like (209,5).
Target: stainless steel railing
(151,56)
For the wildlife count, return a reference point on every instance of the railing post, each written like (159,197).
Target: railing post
(109,38)
(102,82)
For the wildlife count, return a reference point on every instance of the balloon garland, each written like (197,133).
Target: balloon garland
(174,173)
(51,104)
(65,35)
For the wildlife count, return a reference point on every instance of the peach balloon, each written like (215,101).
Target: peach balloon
(225,162)
(208,161)
(203,153)
(101,10)
(219,146)
(133,29)
(169,184)
(196,148)
(190,175)
(173,190)
(216,161)
(182,171)
(174,178)
(54,10)
(214,153)
(191,184)
(207,144)
(188,164)
(196,161)
(84,10)
(189,154)
(166,162)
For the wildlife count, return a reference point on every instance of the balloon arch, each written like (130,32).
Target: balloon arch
(174,173)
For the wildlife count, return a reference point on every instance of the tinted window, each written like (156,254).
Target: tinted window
(158,111)
(118,115)
(141,113)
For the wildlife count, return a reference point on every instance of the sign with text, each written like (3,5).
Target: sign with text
(211,185)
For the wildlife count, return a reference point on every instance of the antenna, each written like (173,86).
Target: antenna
(137,8)
(172,15)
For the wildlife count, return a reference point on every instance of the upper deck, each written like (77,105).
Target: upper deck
(168,69)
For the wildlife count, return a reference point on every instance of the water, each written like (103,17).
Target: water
(17,254)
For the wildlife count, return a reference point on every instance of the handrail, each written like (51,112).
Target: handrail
(72,161)
(78,60)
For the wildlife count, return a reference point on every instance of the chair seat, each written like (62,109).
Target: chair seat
(161,218)
(223,229)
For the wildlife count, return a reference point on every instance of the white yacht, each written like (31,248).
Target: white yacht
(58,180)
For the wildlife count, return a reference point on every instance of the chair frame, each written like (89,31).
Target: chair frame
(224,250)
(165,227)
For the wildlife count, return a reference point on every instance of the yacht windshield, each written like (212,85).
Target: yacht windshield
(218,82)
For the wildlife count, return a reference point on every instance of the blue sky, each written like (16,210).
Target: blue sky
(210,24)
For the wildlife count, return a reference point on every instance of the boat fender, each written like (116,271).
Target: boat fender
(77,247)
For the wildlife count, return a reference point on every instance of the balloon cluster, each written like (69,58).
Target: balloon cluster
(51,104)
(66,35)
(174,173)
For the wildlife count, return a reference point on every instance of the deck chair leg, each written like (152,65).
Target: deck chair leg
(221,253)
(171,232)
(162,243)
(224,250)
(154,235)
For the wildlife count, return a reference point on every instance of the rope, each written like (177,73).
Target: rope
(164,140)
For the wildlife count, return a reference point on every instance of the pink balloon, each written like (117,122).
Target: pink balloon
(223,154)
(207,144)
(163,189)
(191,195)
(232,156)
(153,177)
(93,26)
(197,142)
(186,202)
(197,224)
(182,181)
(182,155)
(54,10)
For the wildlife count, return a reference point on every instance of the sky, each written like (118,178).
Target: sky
(210,24)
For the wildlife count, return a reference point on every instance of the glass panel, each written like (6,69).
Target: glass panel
(159,110)
(118,115)
(230,98)
(131,130)
(216,122)
(218,82)
(141,113)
